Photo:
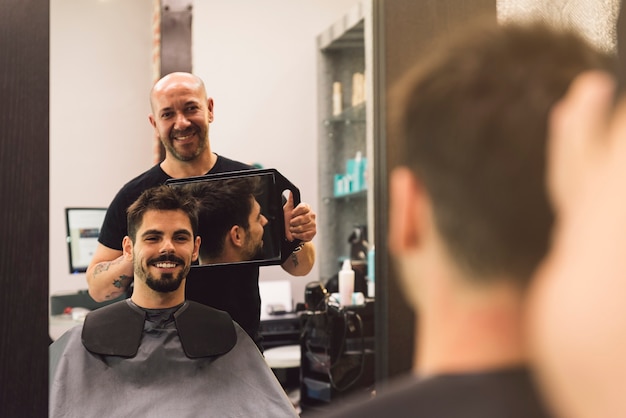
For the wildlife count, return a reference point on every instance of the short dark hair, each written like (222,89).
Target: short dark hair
(223,203)
(472,125)
(161,198)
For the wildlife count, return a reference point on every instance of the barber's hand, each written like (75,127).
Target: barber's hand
(299,221)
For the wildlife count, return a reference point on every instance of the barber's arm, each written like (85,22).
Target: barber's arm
(300,224)
(108,274)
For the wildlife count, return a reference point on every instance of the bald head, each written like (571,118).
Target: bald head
(181,114)
(177,81)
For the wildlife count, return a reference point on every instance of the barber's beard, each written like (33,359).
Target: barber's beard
(169,144)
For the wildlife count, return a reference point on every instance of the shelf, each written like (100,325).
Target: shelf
(361,194)
(349,115)
(346,33)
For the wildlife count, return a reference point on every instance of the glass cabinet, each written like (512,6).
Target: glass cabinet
(345,166)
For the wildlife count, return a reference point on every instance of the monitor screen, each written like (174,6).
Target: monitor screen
(83,228)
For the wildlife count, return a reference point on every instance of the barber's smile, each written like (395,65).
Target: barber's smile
(184,138)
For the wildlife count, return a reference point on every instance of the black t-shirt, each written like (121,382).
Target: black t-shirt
(114,228)
(506,393)
(232,288)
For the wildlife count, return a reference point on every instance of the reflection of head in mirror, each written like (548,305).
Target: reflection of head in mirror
(231,222)
(469,219)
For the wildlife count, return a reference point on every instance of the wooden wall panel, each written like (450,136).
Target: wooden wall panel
(24,191)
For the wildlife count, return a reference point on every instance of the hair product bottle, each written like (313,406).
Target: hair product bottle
(346,283)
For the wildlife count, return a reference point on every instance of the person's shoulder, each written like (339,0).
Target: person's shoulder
(197,327)
(114,329)
(204,311)
(134,187)
(398,400)
(494,394)
(69,338)
(66,337)
(224,164)
(506,392)
(154,176)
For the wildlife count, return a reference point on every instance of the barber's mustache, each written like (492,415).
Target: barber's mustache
(183,132)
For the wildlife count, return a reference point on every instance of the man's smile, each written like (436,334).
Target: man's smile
(183,136)
(165,265)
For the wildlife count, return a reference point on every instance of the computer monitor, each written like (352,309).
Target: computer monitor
(83,228)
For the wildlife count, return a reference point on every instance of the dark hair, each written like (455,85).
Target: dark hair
(223,203)
(161,198)
(472,125)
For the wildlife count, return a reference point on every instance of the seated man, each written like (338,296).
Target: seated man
(230,219)
(157,354)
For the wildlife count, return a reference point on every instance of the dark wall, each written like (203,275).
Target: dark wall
(24,192)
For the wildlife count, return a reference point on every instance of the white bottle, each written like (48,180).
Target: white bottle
(346,283)
(337,99)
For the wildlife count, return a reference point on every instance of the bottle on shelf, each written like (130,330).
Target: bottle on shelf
(346,283)
(358,88)
(337,99)
(371,280)
(357,172)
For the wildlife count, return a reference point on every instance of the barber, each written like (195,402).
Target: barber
(181,114)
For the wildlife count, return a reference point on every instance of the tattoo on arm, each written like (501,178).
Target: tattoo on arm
(122,281)
(100,267)
(294,259)
(105,265)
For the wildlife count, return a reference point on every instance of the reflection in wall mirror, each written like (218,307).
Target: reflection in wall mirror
(241,216)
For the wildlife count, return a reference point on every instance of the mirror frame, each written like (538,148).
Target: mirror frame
(272,193)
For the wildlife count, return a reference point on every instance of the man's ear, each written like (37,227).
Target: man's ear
(196,249)
(209,103)
(407,211)
(152,121)
(127,248)
(236,235)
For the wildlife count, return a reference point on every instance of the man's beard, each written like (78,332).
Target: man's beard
(254,252)
(168,143)
(167,283)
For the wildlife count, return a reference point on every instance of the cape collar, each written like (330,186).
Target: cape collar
(116,330)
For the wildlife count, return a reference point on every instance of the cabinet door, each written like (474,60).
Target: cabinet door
(343,148)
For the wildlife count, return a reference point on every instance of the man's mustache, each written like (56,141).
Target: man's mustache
(167,257)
